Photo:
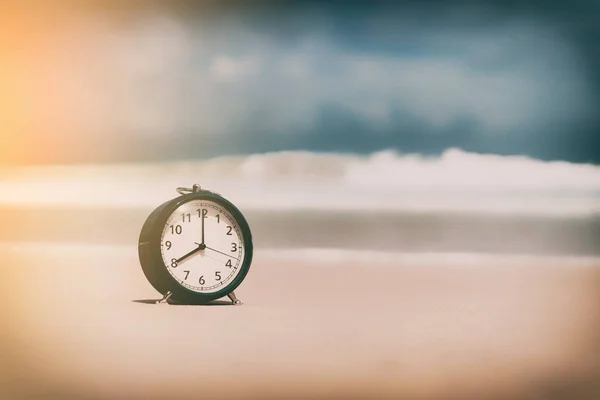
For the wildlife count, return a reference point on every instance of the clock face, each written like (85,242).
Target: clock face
(202,246)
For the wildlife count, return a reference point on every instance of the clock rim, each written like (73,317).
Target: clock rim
(149,249)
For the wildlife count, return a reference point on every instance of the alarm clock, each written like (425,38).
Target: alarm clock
(195,248)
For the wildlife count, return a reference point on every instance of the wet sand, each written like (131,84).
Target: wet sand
(376,230)
(79,323)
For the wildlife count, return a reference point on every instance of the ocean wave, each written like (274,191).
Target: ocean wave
(387,180)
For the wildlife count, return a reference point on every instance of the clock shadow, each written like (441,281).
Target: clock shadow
(174,303)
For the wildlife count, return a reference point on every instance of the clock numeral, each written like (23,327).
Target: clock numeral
(218,218)
(234,247)
(202,212)
(168,244)
(229,231)
(187,273)
(176,229)
(228,264)
(218,275)
(201,280)
(188,215)
(173,263)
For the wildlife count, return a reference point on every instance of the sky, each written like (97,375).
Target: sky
(140,81)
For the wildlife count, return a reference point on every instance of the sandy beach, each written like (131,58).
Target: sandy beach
(314,324)
(350,302)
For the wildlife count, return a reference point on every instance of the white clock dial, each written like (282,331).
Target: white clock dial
(202,246)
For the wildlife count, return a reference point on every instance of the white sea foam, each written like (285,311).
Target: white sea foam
(456,181)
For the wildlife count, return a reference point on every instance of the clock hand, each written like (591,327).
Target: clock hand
(191,253)
(228,255)
(204,212)
(202,226)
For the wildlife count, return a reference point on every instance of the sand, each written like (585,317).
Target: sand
(79,322)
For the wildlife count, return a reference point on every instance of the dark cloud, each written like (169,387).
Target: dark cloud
(578,22)
(567,34)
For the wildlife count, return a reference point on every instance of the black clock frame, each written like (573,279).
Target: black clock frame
(149,249)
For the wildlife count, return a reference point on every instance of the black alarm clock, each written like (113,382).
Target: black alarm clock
(195,248)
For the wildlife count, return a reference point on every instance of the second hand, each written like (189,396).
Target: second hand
(220,252)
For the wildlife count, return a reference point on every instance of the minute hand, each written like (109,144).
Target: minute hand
(220,252)
(204,212)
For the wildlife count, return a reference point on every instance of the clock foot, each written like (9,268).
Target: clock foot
(165,299)
(234,299)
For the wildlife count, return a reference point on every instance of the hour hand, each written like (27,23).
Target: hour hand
(191,253)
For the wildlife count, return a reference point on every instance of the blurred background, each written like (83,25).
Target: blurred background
(98,82)
(413,127)
(482,109)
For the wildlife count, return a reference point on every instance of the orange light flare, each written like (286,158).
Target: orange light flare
(26,47)
(46,102)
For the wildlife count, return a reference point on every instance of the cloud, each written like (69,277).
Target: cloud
(229,80)
(224,68)
(293,81)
